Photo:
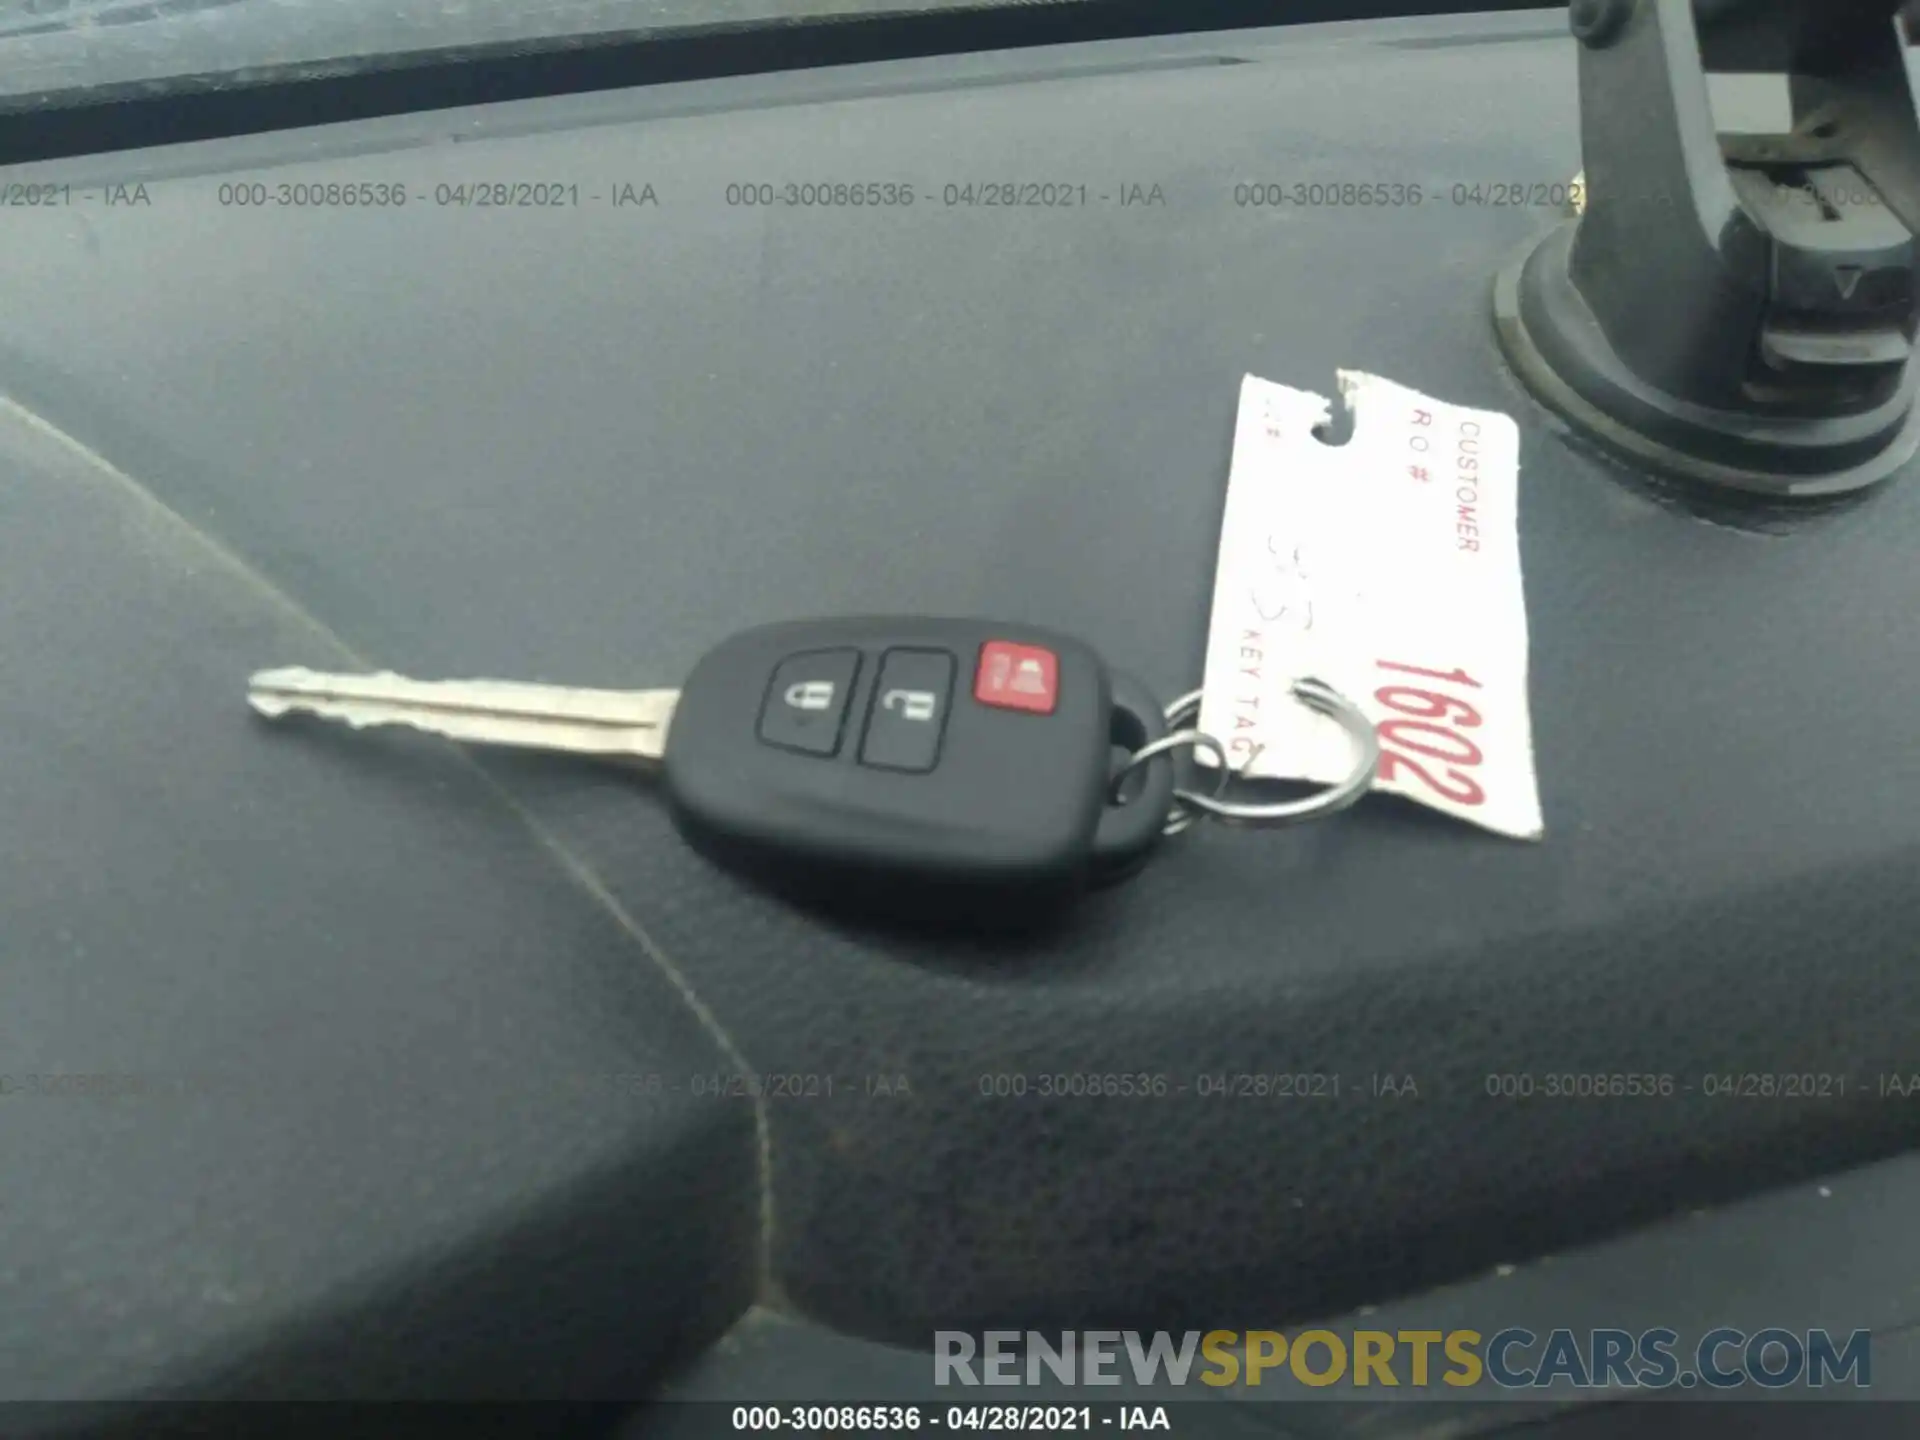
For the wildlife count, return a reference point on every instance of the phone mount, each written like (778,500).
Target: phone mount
(1736,303)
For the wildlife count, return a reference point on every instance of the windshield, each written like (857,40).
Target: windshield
(53,47)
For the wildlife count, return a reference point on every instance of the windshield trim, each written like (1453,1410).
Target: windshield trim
(182,109)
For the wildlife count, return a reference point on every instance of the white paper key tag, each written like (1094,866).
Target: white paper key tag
(1388,567)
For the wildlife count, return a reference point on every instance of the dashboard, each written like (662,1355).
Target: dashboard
(419,1074)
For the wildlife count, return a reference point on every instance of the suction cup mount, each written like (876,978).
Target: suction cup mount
(1737,303)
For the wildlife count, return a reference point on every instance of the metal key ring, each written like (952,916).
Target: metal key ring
(1180,818)
(1181,715)
(1317,695)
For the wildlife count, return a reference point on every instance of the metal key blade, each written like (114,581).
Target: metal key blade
(484,712)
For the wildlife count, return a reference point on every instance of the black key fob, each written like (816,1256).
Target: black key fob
(947,770)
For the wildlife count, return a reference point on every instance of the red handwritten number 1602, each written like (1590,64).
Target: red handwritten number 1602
(1429,725)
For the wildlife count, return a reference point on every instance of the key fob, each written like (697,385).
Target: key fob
(935,768)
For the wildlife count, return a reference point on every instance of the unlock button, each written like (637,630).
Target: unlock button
(909,710)
(806,706)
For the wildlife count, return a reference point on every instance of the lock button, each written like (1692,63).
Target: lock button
(806,705)
(908,713)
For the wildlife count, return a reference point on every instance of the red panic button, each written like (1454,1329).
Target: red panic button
(1017,677)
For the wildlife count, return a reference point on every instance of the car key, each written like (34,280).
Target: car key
(916,765)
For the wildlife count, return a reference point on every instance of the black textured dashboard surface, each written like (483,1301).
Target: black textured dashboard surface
(310,1080)
(580,443)
(1839,1254)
